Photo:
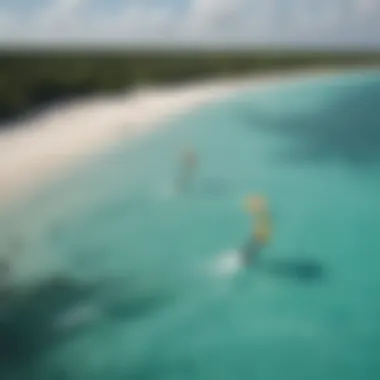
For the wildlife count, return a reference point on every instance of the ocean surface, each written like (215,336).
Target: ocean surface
(120,276)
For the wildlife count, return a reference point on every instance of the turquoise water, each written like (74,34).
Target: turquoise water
(174,303)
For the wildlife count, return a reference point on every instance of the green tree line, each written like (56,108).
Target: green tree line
(29,80)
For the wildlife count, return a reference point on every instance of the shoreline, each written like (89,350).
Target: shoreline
(36,151)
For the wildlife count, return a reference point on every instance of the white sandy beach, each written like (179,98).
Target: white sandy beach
(44,146)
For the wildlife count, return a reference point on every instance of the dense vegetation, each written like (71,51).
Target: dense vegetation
(29,80)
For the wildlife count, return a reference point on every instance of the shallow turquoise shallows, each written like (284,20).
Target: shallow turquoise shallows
(173,301)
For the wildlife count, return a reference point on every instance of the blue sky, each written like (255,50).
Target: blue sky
(205,22)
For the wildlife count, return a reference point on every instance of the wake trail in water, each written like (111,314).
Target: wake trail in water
(166,191)
(228,264)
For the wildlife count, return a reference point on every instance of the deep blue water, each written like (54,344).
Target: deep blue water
(165,298)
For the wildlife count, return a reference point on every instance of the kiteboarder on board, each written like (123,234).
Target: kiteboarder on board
(262,229)
(299,268)
(188,166)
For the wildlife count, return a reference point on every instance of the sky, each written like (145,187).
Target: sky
(210,23)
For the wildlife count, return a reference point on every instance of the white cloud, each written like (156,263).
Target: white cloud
(6,20)
(327,15)
(144,17)
(366,6)
(214,15)
(210,10)
(60,12)
(202,20)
